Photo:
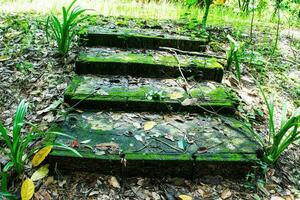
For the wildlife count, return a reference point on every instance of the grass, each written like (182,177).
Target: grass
(218,16)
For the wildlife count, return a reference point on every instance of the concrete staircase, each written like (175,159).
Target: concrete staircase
(163,114)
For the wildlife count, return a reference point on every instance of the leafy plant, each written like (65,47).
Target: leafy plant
(18,145)
(233,55)
(65,31)
(281,138)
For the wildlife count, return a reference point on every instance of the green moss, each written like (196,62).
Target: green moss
(230,157)
(73,85)
(210,63)
(207,96)
(168,60)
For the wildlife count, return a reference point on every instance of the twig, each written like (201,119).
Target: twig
(193,53)
(169,145)
(179,67)
(145,145)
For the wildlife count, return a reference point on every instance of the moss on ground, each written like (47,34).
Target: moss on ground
(146,59)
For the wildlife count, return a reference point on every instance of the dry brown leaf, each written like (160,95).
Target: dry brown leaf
(277,198)
(176,95)
(42,194)
(188,102)
(226,194)
(107,145)
(114,182)
(149,125)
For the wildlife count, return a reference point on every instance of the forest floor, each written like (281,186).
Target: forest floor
(30,69)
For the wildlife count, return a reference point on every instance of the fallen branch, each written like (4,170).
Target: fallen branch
(192,53)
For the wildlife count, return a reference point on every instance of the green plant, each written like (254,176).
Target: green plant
(65,31)
(281,138)
(18,144)
(233,54)
(205,16)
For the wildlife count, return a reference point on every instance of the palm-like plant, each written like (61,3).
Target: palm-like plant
(65,31)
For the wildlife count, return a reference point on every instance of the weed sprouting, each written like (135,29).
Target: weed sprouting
(65,31)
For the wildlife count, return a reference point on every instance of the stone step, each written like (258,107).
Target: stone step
(147,94)
(145,38)
(155,144)
(148,63)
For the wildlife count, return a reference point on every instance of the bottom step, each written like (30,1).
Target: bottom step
(155,145)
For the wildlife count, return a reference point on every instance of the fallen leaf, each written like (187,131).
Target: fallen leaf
(85,141)
(49,181)
(4,58)
(176,95)
(40,173)
(62,183)
(75,144)
(40,156)
(42,194)
(182,144)
(93,193)
(139,138)
(53,106)
(277,198)
(149,125)
(114,182)
(226,194)
(107,145)
(188,102)
(201,150)
(27,189)
(184,197)
(155,196)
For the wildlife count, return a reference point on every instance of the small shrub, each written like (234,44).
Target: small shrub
(65,31)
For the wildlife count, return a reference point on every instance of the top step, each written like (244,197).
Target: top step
(147,39)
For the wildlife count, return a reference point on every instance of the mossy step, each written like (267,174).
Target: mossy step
(148,39)
(154,145)
(147,94)
(147,63)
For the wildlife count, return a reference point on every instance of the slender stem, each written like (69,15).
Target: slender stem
(277,29)
(252,20)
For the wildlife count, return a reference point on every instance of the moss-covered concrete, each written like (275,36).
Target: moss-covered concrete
(158,148)
(93,92)
(152,64)
(129,38)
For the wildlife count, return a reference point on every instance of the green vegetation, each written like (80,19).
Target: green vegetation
(233,54)
(65,31)
(20,144)
(279,139)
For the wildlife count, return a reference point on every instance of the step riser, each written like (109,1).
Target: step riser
(147,70)
(153,168)
(144,106)
(143,42)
